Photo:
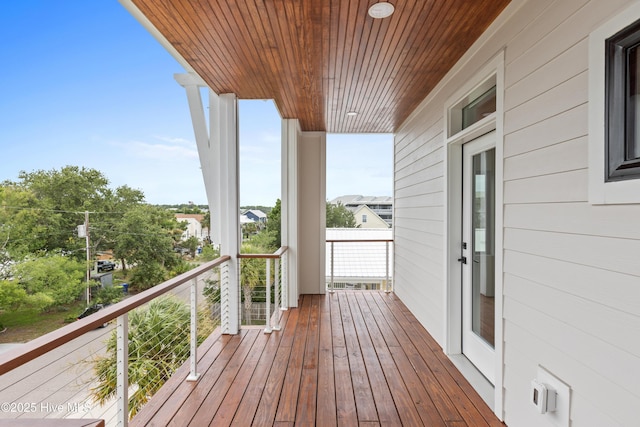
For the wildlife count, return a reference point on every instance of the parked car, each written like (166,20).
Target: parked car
(92,309)
(104,265)
(181,250)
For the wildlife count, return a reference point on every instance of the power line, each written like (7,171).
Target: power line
(59,210)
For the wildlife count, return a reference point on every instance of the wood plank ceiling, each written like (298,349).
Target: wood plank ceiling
(319,59)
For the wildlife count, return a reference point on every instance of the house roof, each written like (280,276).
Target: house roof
(197,217)
(357,200)
(319,59)
(257,212)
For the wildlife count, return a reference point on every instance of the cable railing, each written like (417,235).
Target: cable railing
(86,370)
(359,264)
(263,288)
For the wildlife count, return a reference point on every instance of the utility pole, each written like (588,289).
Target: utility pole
(86,232)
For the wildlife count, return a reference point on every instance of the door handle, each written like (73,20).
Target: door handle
(463,259)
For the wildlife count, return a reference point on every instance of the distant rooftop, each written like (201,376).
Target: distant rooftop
(256,212)
(357,199)
(198,217)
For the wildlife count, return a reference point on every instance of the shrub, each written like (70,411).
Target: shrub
(158,345)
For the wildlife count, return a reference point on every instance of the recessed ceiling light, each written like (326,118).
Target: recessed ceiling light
(352,113)
(381,10)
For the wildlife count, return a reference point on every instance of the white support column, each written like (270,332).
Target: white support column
(224,134)
(289,208)
(218,151)
(311,202)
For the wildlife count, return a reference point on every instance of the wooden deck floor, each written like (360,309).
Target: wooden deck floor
(349,359)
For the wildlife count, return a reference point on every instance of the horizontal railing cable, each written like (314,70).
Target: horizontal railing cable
(22,354)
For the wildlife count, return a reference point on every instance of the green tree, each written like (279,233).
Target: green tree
(191,244)
(55,277)
(40,212)
(104,225)
(147,275)
(24,227)
(147,234)
(188,209)
(206,221)
(158,346)
(64,195)
(12,296)
(274,224)
(338,216)
(209,253)
(252,275)
(250,229)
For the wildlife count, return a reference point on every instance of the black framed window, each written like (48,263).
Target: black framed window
(622,92)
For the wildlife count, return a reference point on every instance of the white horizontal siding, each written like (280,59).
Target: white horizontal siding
(418,221)
(571,270)
(562,127)
(523,353)
(424,294)
(615,290)
(553,344)
(567,156)
(563,97)
(614,254)
(433,185)
(419,178)
(596,322)
(556,188)
(547,77)
(571,285)
(574,218)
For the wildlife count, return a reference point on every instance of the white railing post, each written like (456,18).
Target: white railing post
(267,329)
(387,290)
(224,298)
(331,289)
(284,298)
(193,375)
(122,373)
(276,295)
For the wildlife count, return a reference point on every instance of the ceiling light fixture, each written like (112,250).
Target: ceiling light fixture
(352,113)
(381,10)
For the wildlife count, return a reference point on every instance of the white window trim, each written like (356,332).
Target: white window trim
(494,69)
(601,192)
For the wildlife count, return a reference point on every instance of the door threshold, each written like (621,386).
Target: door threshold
(479,382)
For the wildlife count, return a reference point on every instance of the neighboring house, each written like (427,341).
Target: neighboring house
(194,225)
(516,182)
(359,264)
(366,218)
(382,206)
(256,215)
(245,219)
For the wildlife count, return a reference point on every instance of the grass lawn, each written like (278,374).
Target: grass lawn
(25,325)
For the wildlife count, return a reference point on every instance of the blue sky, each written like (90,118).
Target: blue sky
(83,83)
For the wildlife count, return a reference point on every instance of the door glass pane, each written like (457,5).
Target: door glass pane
(483,232)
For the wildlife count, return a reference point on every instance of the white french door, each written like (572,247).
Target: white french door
(478,253)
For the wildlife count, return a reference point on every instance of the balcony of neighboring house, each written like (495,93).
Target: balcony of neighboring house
(343,358)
